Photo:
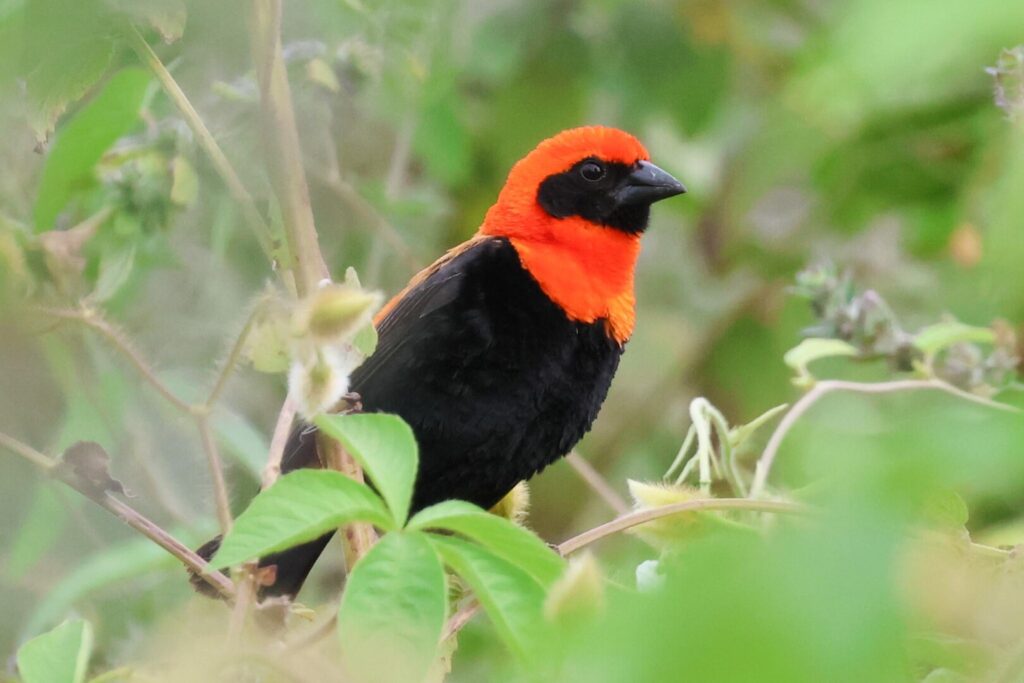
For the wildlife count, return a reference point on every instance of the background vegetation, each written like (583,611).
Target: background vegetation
(865,134)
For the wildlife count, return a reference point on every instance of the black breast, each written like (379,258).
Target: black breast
(495,381)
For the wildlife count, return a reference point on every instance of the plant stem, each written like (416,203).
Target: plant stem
(206,140)
(128,515)
(282,429)
(358,536)
(764,463)
(245,597)
(460,619)
(283,152)
(594,480)
(26,451)
(94,320)
(220,489)
(640,517)
(232,360)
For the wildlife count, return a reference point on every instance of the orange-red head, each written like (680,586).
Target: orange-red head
(574,209)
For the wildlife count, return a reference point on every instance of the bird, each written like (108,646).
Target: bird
(500,354)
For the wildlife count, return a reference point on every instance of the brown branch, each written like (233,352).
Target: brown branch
(460,619)
(598,483)
(283,151)
(642,516)
(220,489)
(206,140)
(272,470)
(245,599)
(27,452)
(358,537)
(126,514)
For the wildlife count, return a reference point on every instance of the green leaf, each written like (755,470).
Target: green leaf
(945,508)
(385,448)
(115,269)
(512,599)
(300,507)
(84,139)
(365,340)
(934,338)
(810,350)
(185,182)
(393,611)
(59,656)
(166,16)
(68,48)
(505,539)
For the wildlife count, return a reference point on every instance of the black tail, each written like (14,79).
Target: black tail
(293,564)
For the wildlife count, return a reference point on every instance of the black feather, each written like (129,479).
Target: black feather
(493,377)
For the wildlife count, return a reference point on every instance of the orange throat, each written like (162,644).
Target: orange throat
(588,271)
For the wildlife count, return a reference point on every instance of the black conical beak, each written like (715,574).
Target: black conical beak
(647,184)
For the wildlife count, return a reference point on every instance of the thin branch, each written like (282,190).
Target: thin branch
(93,319)
(283,151)
(764,463)
(206,140)
(128,515)
(282,429)
(460,619)
(642,516)
(246,597)
(594,480)
(384,228)
(27,452)
(150,530)
(220,489)
(358,537)
(232,360)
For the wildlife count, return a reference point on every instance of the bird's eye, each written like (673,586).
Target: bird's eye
(592,171)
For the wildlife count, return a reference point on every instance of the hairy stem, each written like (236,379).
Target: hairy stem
(282,429)
(128,515)
(764,463)
(232,360)
(206,140)
(118,340)
(220,489)
(281,138)
(640,517)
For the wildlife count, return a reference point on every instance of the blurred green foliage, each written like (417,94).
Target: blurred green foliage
(864,132)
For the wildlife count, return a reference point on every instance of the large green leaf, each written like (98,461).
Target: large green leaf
(58,656)
(83,140)
(300,507)
(68,46)
(505,539)
(393,611)
(385,448)
(512,599)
